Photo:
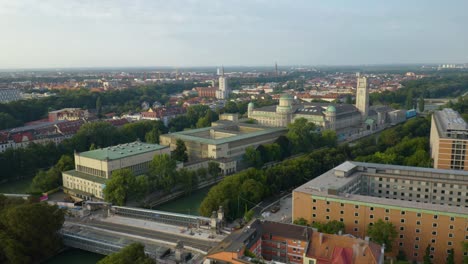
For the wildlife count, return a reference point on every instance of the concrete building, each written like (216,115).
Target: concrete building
(273,242)
(70,114)
(427,206)
(226,139)
(449,140)
(345,119)
(223,90)
(93,168)
(362,97)
(9,95)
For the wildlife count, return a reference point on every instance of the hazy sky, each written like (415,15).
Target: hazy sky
(90,33)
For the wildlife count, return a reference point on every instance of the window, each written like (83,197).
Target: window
(433,241)
(416,238)
(451,226)
(402,220)
(341,204)
(415,254)
(341,220)
(314,208)
(418,222)
(356,222)
(436,216)
(386,218)
(372,208)
(341,212)
(434,225)
(450,235)
(356,214)
(327,217)
(371,216)
(416,246)
(403,212)
(402,228)
(452,218)
(434,233)
(328,202)
(418,230)
(402,236)
(356,229)
(356,206)
(400,244)
(387,210)
(449,243)
(314,215)
(418,214)
(314,201)
(328,210)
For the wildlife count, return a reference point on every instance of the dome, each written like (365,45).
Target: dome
(286,96)
(250,105)
(331,108)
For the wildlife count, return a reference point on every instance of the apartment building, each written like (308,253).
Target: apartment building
(448,141)
(427,206)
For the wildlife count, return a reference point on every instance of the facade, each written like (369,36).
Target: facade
(165,114)
(93,168)
(70,114)
(223,90)
(449,140)
(427,206)
(226,139)
(362,97)
(273,242)
(207,92)
(9,95)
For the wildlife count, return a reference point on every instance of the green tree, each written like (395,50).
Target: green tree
(332,227)
(349,99)
(21,241)
(421,104)
(119,186)
(231,107)
(133,253)
(409,100)
(8,121)
(253,157)
(152,136)
(213,169)
(249,215)
(301,221)
(162,172)
(180,152)
(451,257)
(427,255)
(383,233)
(99,107)
(303,135)
(329,138)
(46,180)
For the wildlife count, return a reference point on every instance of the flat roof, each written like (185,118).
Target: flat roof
(319,186)
(187,134)
(85,176)
(448,119)
(121,151)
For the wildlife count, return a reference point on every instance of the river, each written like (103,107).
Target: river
(184,205)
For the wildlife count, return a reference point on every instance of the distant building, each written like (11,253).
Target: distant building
(273,242)
(206,92)
(164,114)
(449,140)
(225,140)
(69,114)
(93,168)
(223,89)
(362,97)
(9,95)
(427,206)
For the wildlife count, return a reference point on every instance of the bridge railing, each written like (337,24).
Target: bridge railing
(161,216)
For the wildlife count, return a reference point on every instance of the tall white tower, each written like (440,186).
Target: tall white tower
(362,97)
(223,91)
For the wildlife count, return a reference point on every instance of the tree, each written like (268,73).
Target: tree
(451,257)
(301,221)
(333,227)
(249,215)
(303,135)
(133,253)
(46,181)
(349,99)
(99,106)
(383,233)
(119,186)
(180,152)
(409,100)
(213,169)
(253,157)
(231,107)
(21,241)
(152,136)
(421,104)
(329,138)
(427,255)
(162,172)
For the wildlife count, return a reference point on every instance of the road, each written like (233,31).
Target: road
(145,233)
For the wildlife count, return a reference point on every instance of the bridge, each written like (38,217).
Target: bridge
(168,237)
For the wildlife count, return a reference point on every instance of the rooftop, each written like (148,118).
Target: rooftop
(448,119)
(121,151)
(330,183)
(85,176)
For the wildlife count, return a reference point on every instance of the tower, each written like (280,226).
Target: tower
(362,97)
(223,90)
(330,117)
(250,109)
(276,69)
(284,110)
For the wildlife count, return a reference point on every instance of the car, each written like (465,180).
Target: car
(275,209)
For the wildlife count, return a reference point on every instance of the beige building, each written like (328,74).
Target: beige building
(427,206)
(224,140)
(93,168)
(449,138)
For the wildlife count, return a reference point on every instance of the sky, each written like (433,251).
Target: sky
(140,33)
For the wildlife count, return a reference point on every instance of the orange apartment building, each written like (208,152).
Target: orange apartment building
(449,139)
(427,206)
(273,242)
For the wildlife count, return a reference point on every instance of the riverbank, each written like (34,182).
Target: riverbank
(187,204)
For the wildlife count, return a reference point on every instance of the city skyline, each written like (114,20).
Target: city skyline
(57,34)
